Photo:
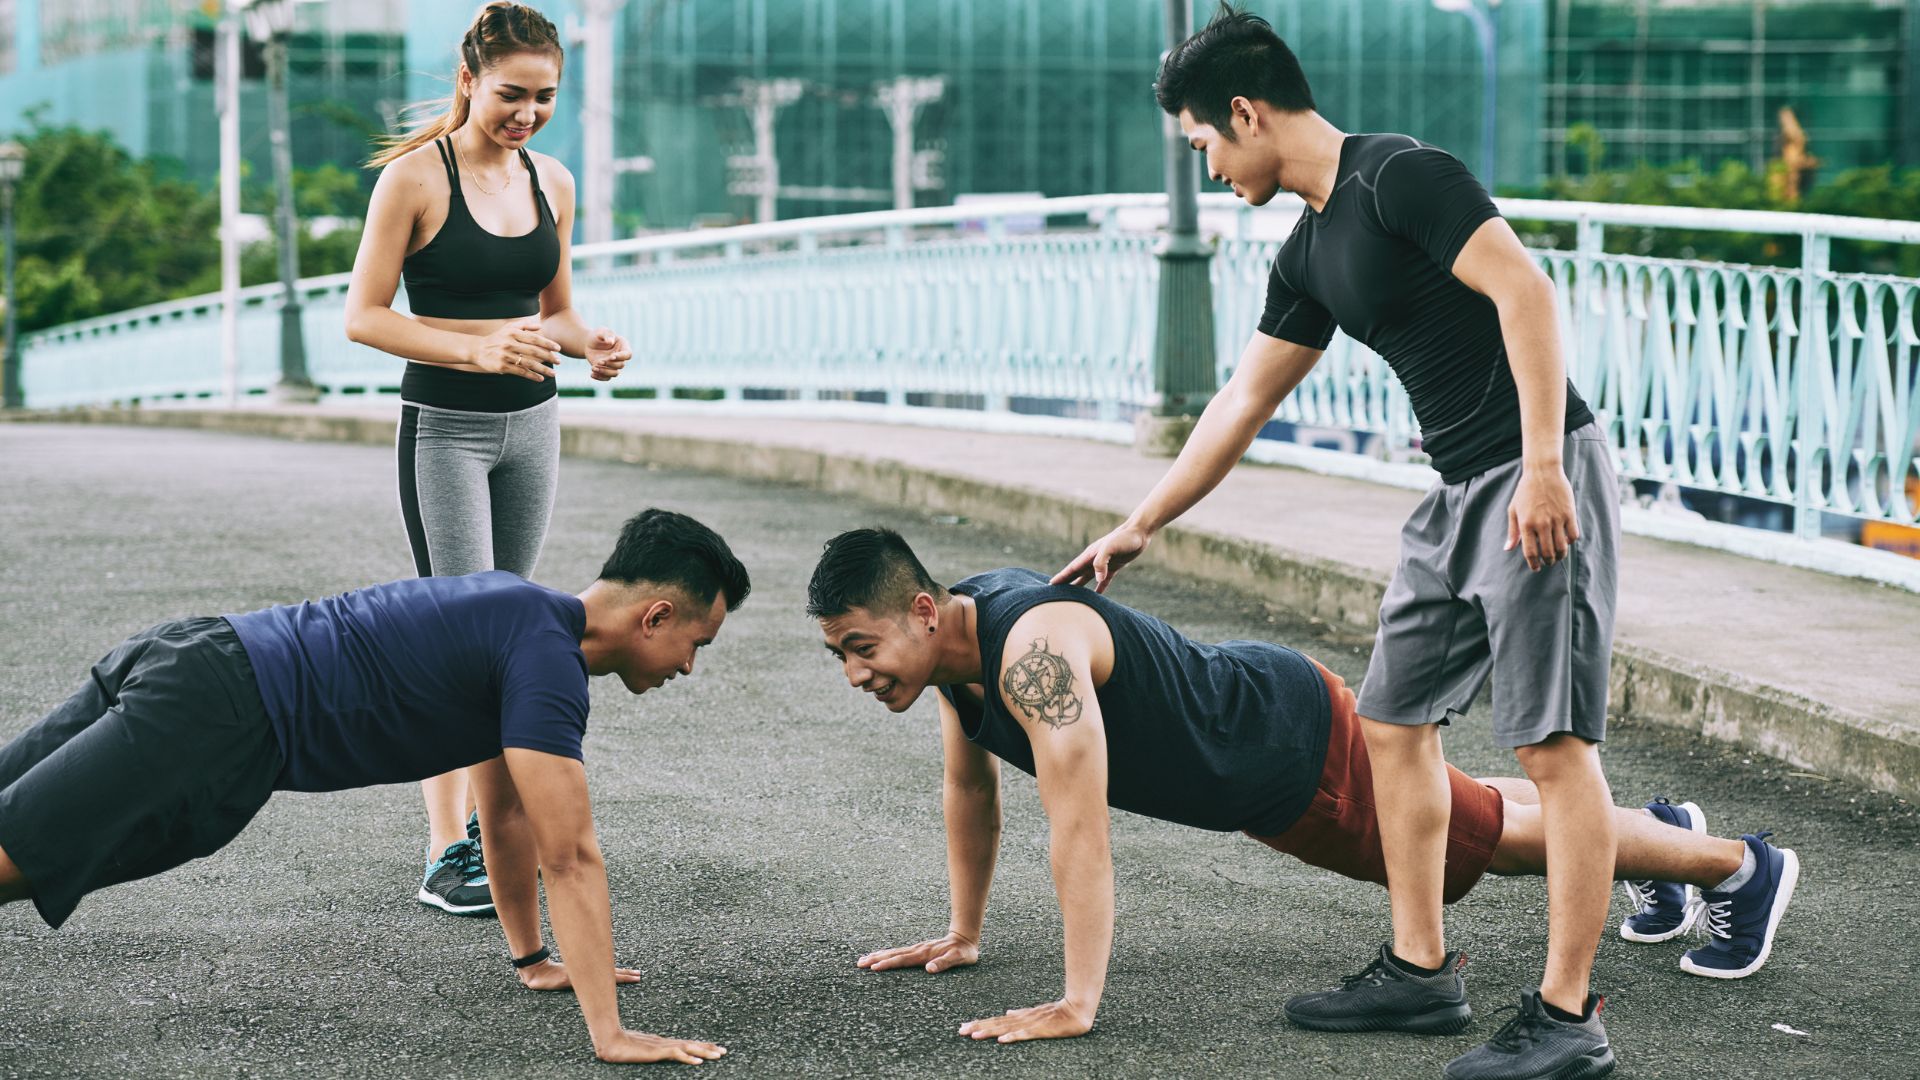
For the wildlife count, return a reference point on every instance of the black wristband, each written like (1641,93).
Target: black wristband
(532,958)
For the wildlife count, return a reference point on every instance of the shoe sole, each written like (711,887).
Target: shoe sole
(1449,1021)
(435,900)
(1590,1066)
(1789,878)
(1697,819)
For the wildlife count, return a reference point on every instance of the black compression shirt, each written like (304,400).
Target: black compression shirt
(1377,261)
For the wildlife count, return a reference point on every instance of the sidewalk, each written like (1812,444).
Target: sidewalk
(1820,671)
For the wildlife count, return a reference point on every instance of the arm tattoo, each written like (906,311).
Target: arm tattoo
(1041,684)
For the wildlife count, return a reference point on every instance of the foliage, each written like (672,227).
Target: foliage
(1880,192)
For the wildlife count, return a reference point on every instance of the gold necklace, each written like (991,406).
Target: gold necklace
(474,175)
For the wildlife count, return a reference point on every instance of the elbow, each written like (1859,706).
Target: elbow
(357,328)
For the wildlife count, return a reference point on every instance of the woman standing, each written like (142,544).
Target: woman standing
(479,228)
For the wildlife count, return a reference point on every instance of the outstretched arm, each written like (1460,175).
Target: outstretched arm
(553,790)
(971,801)
(1269,370)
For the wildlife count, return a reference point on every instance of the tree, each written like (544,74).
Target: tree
(99,232)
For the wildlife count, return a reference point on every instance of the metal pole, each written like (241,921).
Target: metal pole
(596,121)
(1490,95)
(10,394)
(228,102)
(1183,345)
(294,384)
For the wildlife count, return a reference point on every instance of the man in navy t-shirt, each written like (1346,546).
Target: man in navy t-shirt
(196,722)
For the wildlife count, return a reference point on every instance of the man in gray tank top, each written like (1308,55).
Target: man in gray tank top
(1110,707)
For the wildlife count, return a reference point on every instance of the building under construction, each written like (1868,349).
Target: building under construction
(728,110)
(1670,80)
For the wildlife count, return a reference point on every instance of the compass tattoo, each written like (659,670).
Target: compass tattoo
(1041,684)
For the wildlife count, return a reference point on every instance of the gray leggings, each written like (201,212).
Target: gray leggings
(476,489)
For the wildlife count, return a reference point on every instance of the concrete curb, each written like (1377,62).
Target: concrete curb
(1646,685)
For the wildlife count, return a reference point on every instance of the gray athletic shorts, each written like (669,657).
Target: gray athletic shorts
(1460,609)
(162,756)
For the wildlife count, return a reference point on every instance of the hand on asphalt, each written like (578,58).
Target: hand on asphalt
(638,1046)
(1104,557)
(1541,517)
(939,954)
(1054,1020)
(552,975)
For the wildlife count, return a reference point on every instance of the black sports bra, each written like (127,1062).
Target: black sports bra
(466,272)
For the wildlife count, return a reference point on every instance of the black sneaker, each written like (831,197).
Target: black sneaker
(473,826)
(1386,997)
(457,883)
(1535,1046)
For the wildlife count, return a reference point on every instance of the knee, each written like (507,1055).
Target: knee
(1401,742)
(1560,758)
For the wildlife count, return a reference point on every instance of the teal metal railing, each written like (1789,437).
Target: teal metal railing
(1790,385)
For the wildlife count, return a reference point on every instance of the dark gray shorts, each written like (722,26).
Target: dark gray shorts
(163,756)
(1460,609)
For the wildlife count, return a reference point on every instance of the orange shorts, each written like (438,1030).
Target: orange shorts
(1341,831)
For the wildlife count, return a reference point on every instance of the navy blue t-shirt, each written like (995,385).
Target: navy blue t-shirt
(1228,736)
(414,678)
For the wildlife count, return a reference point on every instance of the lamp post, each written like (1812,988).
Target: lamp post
(1183,346)
(1483,27)
(269,22)
(13,161)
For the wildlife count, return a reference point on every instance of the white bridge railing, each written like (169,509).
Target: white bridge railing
(1794,386)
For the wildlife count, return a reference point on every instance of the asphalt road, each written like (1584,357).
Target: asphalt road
(764,825)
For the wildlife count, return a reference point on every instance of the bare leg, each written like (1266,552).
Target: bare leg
(1577,813)
(13,883)
(1513,789)
(1414,803)
(1649,849)
(447,806)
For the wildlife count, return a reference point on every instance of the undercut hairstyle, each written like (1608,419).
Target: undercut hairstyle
(1236,55)
(665,548)
(867,568)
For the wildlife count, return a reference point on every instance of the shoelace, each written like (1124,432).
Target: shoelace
(1717,920)
(467,859)
(1375,973)
(1643,895)
(1515,1034)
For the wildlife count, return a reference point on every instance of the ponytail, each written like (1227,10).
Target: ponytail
(499,30)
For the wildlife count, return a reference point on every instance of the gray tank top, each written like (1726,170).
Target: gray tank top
(1224,737)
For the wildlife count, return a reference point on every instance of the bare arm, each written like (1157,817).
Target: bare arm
(971,801)
(1047,683)
(605,351)
(553,790)
(1269,369)
(1541,519)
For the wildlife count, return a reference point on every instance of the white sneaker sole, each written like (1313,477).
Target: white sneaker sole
(433,899)
(1690,905)
(1789,877)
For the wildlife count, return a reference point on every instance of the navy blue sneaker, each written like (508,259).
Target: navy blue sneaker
(457,882)
(1663,910)
(1741,924)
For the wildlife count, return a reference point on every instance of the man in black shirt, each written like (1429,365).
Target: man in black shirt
(1402,248)
(1110,707)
